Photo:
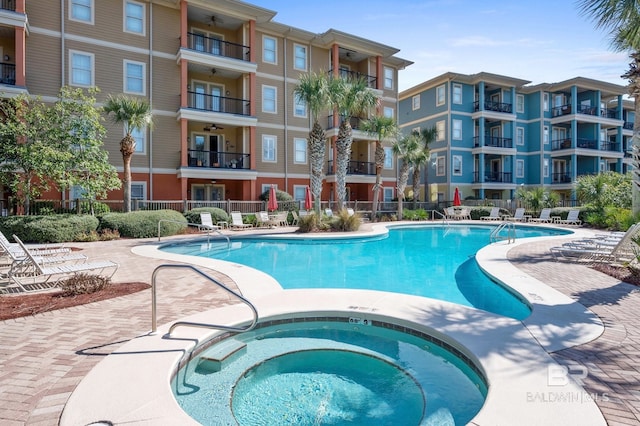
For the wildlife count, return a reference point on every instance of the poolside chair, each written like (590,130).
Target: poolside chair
(237,223)
(350,211)
(450,213)
(545,216)
(296,218)
(572,218)
(206,222)
(464,214)
(13,252)
(328,212)
(32,272)
(281,219)
(623,250)
(263,219)
(493,215)
(518,216)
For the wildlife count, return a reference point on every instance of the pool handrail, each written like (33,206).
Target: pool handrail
(154,324)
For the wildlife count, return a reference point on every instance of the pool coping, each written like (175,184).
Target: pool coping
(513,354)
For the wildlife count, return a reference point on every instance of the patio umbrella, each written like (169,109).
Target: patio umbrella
(456,198)
(308,202)
(273,202)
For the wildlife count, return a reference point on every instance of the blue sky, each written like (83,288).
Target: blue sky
(542,41)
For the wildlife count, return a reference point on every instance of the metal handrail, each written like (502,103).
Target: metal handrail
(154,324)
(511,232)
(199,225)
(444,218)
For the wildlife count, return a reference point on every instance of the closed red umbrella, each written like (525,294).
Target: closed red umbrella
(273,202)
(456,198)
(308,202)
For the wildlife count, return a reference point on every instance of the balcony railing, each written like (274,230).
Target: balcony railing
(493,141)
(586,110)
(8,5)
(585,144)
(355,168)
(217,47)
(609,146)
(356,122)
(628,125)
(560,177)
(347,74)
(493,177)
(218,159)
(7,74)
(205,102)
(494,106)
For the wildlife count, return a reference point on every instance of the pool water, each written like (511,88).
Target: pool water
(332,372)
(430,261)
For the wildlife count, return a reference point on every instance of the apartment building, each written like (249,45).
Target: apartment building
(497,133)
(219,76)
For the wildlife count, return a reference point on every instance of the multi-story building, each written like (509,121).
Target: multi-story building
(219,76)
(497,133)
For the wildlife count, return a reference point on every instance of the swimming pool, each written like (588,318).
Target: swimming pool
(314,371)
(422,260)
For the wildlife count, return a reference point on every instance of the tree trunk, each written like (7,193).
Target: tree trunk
(416,186)
(402,184)
(316,158)
(126,183)
(379,159)
(343,151)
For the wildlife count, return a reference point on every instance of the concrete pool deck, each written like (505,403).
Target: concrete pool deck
(44,357)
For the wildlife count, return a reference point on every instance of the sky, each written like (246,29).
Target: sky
(542,41)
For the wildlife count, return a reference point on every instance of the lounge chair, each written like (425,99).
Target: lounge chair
(595,251)
(572,218)
(450,213)
(32,271)
(295,218)
(13,252)
(545,216)
(281,219)
(262,219)
(493,215)
(464,214)
(237,223)
(206,222)
(518,216)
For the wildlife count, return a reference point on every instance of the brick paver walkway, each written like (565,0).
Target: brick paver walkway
(44,357)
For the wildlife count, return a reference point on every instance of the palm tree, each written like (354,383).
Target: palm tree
(426,136)
(134,114)
(313,89)
(349,97)
(407,150)
(622,19)
(383,128)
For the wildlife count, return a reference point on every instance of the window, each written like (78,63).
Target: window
(520,103)
(457,94)
(457,165)
(440,95)
(388,158)
(134,77)
(440,166)
(133,17)
(299,192)
(138,190)
(440,130)
(545,101)
(269,148)
(388,112)
(545,135)
(545,167)
(81,10)
(268,99)
(300,57)
(520,136)
(387,194)
(140,135)
(81,68)
(519,168)
(299,107)
(456,129)
(299,150)
(415,102)
(269,50)
(388,78)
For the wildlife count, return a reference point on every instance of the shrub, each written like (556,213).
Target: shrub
(217,215)
(345,222)
(48,229)
(144,223)
(419,214)
(310,223)
(83,284)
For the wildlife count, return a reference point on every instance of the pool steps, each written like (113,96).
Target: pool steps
(220,355)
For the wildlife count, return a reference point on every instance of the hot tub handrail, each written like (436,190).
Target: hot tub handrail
(195,224)
(154,324)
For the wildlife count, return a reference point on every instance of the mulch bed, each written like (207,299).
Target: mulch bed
(622,273)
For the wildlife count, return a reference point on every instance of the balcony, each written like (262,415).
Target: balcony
(560,178)
(223,104)
(494,106)
(628,125)
(585,110)
(493,141)
(8,5)
(7,74)
(218,159)
(355,168)
(493,177)
(217,47)
(347,74)
(356,122)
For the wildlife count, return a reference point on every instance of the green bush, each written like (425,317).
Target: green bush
(310,223)
(48,229)
(419,214)
(612,218)
(144,223)
(345,222)
(217,215)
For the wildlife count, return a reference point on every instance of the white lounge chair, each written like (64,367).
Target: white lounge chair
(206,222)
(237,223)
(493,215)
(518,216)
(14,252)
(450,213)
(262,219)
(32,271)
(572,218)
(594,251)
(545,216)
(295,218)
